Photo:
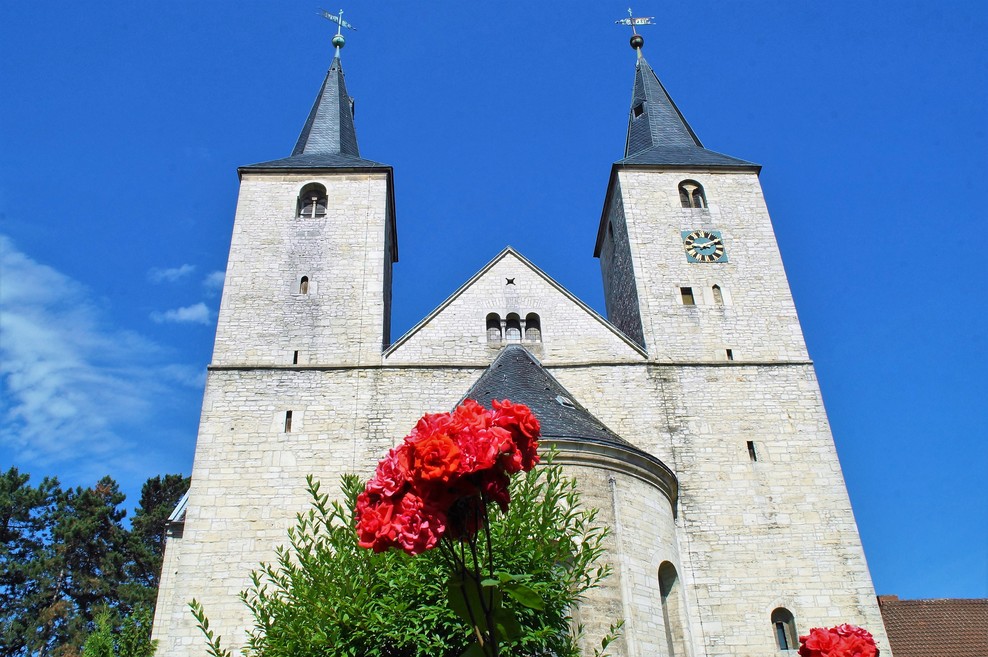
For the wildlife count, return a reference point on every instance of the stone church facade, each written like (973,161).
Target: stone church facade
(691,414)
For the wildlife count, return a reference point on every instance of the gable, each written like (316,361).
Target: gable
(457,331)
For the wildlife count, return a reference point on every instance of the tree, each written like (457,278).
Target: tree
(65,557)
(159,496)
(25,536)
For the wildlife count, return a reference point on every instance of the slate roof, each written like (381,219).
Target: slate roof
(328,139)
(660,134)
(936,627)
(516,375)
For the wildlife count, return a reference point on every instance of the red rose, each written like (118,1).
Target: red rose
(471,416)
(841,641)
(435,457)
(429,424)
(393,473)
(418,526)
(482,447)
(524,428)
(375,529)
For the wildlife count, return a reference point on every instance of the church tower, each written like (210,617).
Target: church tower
(308,281)
(693,274)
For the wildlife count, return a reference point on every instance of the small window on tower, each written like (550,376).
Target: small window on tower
(691,194)
(687,295)
(312,201)
(303,285)
(638,110)
(784,627)
(718,295)
(288,421)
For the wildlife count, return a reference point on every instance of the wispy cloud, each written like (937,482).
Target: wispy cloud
(213,282)
(171,274)
(77,392)
(197,313)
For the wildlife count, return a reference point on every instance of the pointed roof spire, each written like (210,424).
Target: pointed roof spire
(328,138)
(329,128)
(658,133)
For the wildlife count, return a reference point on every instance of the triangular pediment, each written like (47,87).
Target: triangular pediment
(520,304)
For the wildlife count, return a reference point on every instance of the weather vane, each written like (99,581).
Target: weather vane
(338,40)
(636,39)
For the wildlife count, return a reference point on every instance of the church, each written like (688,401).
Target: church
(690,415)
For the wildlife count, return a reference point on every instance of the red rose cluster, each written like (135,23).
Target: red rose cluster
(841,641)
(439,480)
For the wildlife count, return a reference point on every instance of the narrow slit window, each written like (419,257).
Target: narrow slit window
(288,421)
(784,628)
(751,451)
(303,285)
(295,358)
(687,295)
(730,354)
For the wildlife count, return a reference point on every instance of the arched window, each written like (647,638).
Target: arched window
(512,328)
(691,194)
(493,328)
(672,612)
(784,628)
(312,201)
(303,285)
(718,295)
(533,328)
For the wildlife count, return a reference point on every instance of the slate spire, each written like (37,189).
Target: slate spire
(658,133)
(328,139)
(329,128)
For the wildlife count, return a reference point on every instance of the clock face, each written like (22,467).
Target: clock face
(704,246)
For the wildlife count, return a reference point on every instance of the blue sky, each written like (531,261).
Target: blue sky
(122,124)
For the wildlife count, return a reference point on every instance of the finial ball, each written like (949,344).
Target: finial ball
(339,41)
(637,42)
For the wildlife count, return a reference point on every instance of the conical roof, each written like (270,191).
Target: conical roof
(328,138)
(659,134)
(516,375)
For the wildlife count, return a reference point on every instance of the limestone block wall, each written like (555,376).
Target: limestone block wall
(342,317)
(457,331)
(771,531)
(756,318)
(754,535)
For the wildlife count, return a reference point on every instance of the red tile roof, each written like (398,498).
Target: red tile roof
(936,628)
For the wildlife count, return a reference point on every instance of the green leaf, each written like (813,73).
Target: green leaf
(508,627)
(524,595)
(464,599)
